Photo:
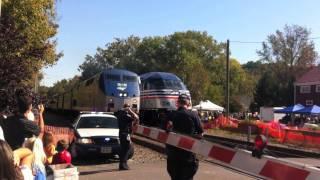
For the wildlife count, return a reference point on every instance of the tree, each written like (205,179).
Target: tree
(288,53)
(62,86)
(26,45)
(120,53)
(291,48)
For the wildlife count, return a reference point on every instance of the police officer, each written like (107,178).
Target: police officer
(126,119)
(181,164)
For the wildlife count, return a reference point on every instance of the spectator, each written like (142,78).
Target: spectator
(17,128)
(18,169)
(40,120)
(1,134)
(49,146)
(36,146)
(63,156)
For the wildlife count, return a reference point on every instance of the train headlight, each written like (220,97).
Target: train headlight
(134,101)
(120,94)
(125,94)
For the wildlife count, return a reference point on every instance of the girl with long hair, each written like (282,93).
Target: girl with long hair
(15,165)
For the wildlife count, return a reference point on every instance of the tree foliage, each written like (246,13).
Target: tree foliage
(61,86)
(288,54)
(27,28)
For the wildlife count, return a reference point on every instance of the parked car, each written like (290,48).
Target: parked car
(95,134)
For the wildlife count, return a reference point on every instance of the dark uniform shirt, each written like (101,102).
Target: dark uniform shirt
(184,122)
(17,128)
(124,121)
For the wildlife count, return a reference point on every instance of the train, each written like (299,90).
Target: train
(159,92)
(107,91)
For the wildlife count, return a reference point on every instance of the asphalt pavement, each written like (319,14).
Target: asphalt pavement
(153,171)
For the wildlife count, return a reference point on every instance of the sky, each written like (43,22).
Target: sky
(85,25)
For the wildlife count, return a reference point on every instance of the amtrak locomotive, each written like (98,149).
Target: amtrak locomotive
(159,95)
(106,91)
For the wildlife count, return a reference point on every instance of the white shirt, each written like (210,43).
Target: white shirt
(1,134)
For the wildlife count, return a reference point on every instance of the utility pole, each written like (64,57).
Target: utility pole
(227,80)
(0,8)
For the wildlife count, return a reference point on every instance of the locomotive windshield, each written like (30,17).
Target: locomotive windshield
(130,78)
(164,84)
(113,77)
(116,82)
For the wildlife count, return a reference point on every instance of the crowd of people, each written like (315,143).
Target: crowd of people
(299,120)
(26,149)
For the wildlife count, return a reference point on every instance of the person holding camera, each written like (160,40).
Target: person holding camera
(126,119)
(17,128)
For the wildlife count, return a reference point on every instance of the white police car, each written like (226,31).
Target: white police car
(95,134)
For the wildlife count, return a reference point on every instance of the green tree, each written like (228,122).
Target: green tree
(27,44)
(62,86)
(288,53)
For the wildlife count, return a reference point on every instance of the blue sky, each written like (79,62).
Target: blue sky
(85,25)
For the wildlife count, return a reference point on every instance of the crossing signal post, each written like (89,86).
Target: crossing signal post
(227,79)
(260,143)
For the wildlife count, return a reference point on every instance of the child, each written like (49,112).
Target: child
(49,147)
(39,157)
(63,156)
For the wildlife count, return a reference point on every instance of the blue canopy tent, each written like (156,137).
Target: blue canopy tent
(309,110)
(290,109)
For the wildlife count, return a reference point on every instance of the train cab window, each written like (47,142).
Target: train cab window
(130,78)
(163,84)
(154,84)
(113,77)
(173,84)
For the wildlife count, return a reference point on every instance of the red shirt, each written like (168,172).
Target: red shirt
(63,157)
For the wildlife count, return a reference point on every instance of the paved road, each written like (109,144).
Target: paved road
(153,171)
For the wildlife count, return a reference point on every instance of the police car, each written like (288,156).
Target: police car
(95,134)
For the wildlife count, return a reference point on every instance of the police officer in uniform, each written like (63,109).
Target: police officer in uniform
(181,164)
(126,118)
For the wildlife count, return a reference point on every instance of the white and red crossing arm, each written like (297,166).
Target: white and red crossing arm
(268,167)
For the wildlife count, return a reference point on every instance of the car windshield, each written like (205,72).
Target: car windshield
(97,122)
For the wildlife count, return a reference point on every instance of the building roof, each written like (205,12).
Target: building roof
(312,76)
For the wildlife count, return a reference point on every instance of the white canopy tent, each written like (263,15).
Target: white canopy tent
(208,106)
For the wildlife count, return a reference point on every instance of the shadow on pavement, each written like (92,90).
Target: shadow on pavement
(98,171)
(91,160)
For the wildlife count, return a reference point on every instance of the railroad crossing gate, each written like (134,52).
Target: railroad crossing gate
(266,167)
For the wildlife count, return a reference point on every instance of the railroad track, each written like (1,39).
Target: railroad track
(271,150)
(160,147)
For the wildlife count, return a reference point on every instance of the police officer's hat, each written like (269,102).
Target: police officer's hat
(183,98)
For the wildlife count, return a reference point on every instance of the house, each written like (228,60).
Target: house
(307,88)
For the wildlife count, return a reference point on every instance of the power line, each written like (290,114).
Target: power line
(259,42)
(248,42)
